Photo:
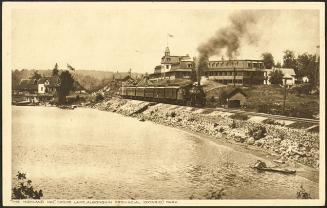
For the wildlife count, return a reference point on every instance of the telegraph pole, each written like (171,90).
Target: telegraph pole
(284,100)
(234,76)
(317,75)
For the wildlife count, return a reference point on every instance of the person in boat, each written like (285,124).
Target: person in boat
(260,164)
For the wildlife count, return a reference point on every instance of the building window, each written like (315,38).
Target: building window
(249,65)
(167,66)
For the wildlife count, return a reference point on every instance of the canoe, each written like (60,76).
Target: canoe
(66,107)
(279,170)
(23,103)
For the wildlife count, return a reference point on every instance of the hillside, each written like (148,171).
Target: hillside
(90,79)
(270,96)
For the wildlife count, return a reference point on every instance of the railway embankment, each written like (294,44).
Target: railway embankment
(288,145)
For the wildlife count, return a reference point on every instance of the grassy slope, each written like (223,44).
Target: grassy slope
(274,95)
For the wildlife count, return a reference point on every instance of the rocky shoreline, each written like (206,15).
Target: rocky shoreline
(286,144)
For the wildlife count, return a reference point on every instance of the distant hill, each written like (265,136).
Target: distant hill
(91,80)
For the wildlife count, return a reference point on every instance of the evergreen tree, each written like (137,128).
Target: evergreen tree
(268,60)
(36,75)
(276,77)
(55,70)
(66,85)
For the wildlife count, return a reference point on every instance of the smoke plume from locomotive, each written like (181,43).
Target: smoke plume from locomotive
(242,26)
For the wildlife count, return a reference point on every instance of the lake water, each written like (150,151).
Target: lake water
(91,154)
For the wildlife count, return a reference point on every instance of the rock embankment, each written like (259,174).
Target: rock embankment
(289,144)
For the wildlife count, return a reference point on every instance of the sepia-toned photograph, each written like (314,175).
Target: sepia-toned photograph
(152,104)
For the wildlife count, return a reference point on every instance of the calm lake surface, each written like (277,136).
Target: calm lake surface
(91,154)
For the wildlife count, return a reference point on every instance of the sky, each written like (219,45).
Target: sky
(123,37)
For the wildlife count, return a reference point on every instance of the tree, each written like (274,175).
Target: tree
(55,70)
(16,77)
(23,188)
(36,75)
(276,77)
(66,85)
(289,60)
(278,65)
(307,66)
(268,60)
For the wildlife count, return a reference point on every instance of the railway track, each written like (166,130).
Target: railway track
(278,117)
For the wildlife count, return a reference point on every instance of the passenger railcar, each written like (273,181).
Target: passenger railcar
(183,95)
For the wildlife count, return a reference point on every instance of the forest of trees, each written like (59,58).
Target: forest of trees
(304,65)
(90,80)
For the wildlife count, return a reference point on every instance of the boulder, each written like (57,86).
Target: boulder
(257,142)
(251,141)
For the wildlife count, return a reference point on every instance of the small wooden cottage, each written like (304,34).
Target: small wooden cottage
(235,97)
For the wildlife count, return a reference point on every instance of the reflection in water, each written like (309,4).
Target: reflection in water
(92,154)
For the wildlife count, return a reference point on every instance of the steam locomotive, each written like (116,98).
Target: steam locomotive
(191,95)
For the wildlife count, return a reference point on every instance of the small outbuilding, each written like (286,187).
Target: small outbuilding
(235,97)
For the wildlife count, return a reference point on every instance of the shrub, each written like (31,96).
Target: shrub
(99,97)
(302,194)
(191,119)
(269,121)
(215,194)
(301,89)
(239,116)
(24,189)
(273,122)
(257,132)
(263,108)
(233,124)
(276,77)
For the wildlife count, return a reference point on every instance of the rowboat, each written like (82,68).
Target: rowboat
(279,170)
(66,107)
(261,166)
(23,103)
